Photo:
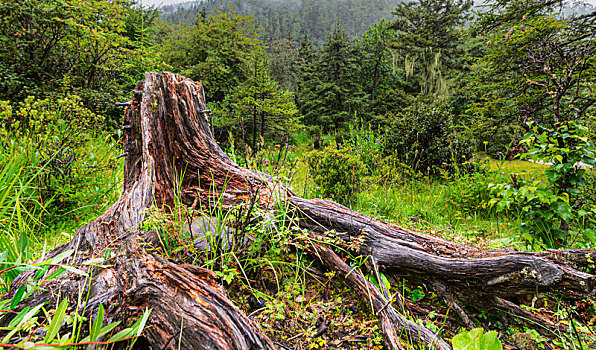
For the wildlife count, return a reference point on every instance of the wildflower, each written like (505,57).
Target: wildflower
(266,161)
(523,17)
(523,27)
(488,43)
(495,43)
(507,37)
(510,31)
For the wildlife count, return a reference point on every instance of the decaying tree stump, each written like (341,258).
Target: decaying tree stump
(170,153)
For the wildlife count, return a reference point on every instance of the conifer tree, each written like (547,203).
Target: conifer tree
(259,107)
(429,40)
(334,94)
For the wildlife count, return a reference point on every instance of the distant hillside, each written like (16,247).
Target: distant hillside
(293,18)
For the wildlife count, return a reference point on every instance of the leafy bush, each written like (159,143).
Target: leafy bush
(337,172)
(424,136)
(552,211)
(586,198)
(64,122)
(370,145)
(66,155)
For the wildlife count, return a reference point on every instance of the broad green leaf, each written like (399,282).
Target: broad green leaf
(125,333)
(462,341)
(468,340)
(56,323)
(96,327)
(490,341)
(563,209)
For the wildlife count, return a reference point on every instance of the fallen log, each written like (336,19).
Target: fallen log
(172,157)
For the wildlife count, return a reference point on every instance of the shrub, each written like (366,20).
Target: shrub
(337,172)
(368,144)
(552,211)
(69,158)
(62,122)
(424,136)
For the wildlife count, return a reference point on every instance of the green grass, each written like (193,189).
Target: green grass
(276,267)
(428,207)
(517,167)
(44,219)
(433,206)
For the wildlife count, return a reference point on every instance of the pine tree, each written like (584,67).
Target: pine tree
(333,94)
(429,40)
(259,107)
(305,72)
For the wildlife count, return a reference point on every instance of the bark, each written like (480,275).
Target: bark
(171,156)
(166,134)
(487,272)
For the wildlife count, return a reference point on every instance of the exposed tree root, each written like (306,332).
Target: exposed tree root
(444,292)
(171,156)
(392,323)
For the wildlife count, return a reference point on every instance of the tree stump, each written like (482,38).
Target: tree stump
(172,156)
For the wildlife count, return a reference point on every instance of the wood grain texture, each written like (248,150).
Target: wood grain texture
(165,135)
(172,154)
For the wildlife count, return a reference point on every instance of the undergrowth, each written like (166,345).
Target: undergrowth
(263,258)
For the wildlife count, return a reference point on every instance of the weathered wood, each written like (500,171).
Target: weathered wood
(167,136)
(394,248)
(171,154)
(393,324)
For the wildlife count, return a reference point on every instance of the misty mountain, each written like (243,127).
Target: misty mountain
(295,19)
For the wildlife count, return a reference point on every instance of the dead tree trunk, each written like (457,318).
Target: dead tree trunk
(172,154)
(166,134)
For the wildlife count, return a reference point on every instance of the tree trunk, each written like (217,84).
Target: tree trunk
(172,154)
(166,134)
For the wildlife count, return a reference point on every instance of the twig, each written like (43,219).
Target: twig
(442,289)
(387,303)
